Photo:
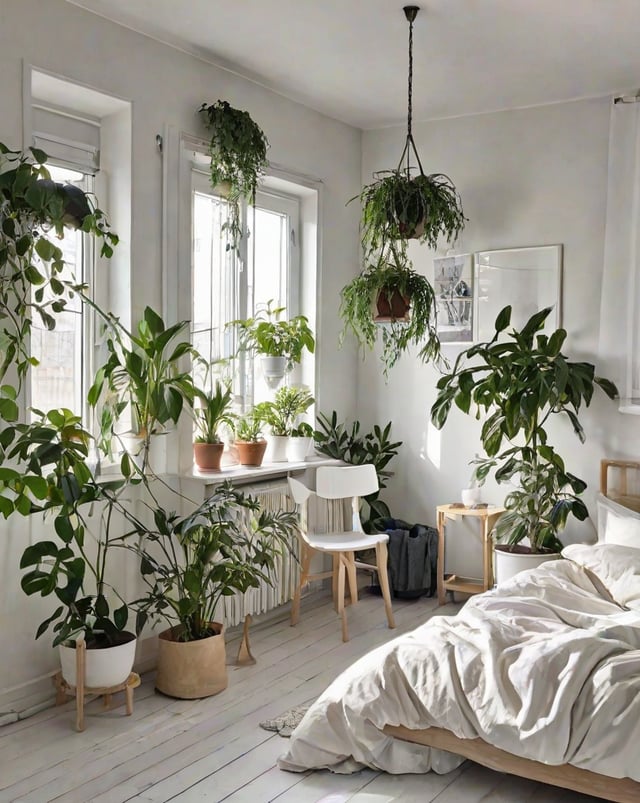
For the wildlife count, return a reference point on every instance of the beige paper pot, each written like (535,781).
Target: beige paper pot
(191,669)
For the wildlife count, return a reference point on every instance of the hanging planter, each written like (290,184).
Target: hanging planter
(238,151)
(400,205)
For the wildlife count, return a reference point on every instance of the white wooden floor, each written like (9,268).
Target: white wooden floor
(214,749)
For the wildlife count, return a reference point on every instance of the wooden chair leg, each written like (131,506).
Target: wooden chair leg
(80,676)
(383,578)
(304,574)
(335,565)
(351,574)
(341,609)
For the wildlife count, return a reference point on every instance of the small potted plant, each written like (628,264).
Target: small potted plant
(519,383)
(281,414)
(279,343)
(249,441)
(228,544)
(212,410)
(299,443)
(238,151)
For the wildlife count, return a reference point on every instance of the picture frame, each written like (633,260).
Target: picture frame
(455,309)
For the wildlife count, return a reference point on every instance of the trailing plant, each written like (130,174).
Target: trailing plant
(238,151)
(517,384)
(359,296)
(34,209)
(336,440)
(280,414)
(267,335)
(227,544)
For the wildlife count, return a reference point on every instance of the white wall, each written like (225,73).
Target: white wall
(167,86)
(528,177)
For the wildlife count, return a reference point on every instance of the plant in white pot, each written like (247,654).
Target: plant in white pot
(227,545)
(519,382)
(55,480)
(281,415)
(279,343)
(300,440)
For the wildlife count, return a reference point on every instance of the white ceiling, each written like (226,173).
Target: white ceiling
(348,58)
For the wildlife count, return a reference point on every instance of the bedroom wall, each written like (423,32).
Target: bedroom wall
(528,177)
(166,86)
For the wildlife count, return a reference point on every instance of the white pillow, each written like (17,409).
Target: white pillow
(617,524)
(616,567)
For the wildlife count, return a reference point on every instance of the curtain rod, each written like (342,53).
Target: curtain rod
(627,98)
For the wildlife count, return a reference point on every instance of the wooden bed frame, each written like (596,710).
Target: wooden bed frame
(566,776)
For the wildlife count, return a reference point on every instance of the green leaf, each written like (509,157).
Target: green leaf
(503,319)
(45,249)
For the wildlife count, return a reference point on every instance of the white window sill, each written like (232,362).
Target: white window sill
(629,406)
(241,475)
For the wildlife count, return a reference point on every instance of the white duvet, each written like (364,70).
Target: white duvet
(546,667)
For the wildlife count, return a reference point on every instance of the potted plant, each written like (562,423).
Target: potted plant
(53,478)
(519,383)
(238,151)
(280,343)
(288,405)
(299,443)
(402,299)
(226,545)
(212,410)
(143,373)
(249,440)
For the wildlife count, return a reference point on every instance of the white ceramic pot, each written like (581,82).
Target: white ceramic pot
(273,370)
(470,496)
(508,564)
(276,449)
(104,667)
(298,449)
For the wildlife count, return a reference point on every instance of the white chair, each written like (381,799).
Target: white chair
(341,482)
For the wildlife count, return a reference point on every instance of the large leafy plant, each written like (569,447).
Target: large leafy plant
(228,544)
(517,383)
(335,439)
(238,151)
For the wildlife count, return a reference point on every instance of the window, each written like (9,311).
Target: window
(224,289)
(60,378)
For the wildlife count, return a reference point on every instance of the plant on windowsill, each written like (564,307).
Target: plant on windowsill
(249,440)
(280,343)
(280,415)
(212,410)
(519,383)
(142,373)
(336,440)
(238,151)
(228,544)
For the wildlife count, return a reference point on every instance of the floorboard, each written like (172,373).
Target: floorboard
(214,750)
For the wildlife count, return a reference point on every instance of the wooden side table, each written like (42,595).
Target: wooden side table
(487,517)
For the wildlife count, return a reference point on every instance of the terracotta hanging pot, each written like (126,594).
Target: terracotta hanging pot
(391,306)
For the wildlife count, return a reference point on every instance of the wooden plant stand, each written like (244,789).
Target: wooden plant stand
(80,691)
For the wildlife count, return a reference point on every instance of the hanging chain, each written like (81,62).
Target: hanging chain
(410,88)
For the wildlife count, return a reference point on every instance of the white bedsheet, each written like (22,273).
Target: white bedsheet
(544,667)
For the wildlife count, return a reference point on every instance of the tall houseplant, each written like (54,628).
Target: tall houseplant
(518,383)
(238,151)
(226,545)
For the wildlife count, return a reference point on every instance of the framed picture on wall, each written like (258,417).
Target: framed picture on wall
(453,286)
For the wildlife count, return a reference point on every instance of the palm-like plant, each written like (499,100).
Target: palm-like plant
(211,411)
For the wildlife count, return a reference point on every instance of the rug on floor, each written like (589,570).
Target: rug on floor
(286,723)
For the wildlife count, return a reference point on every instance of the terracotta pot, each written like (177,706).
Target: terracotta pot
(208,455)
(412,231)
(394,307)
(191,669)
(104,667)
(250,453)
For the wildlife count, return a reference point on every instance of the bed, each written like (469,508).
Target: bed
(539,677)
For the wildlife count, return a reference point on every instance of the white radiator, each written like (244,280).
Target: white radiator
(323,516)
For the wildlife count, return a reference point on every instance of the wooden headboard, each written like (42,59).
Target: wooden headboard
(620,481)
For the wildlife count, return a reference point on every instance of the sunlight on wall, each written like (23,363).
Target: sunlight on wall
(431,445)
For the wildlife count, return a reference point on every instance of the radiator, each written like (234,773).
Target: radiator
(323,516)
